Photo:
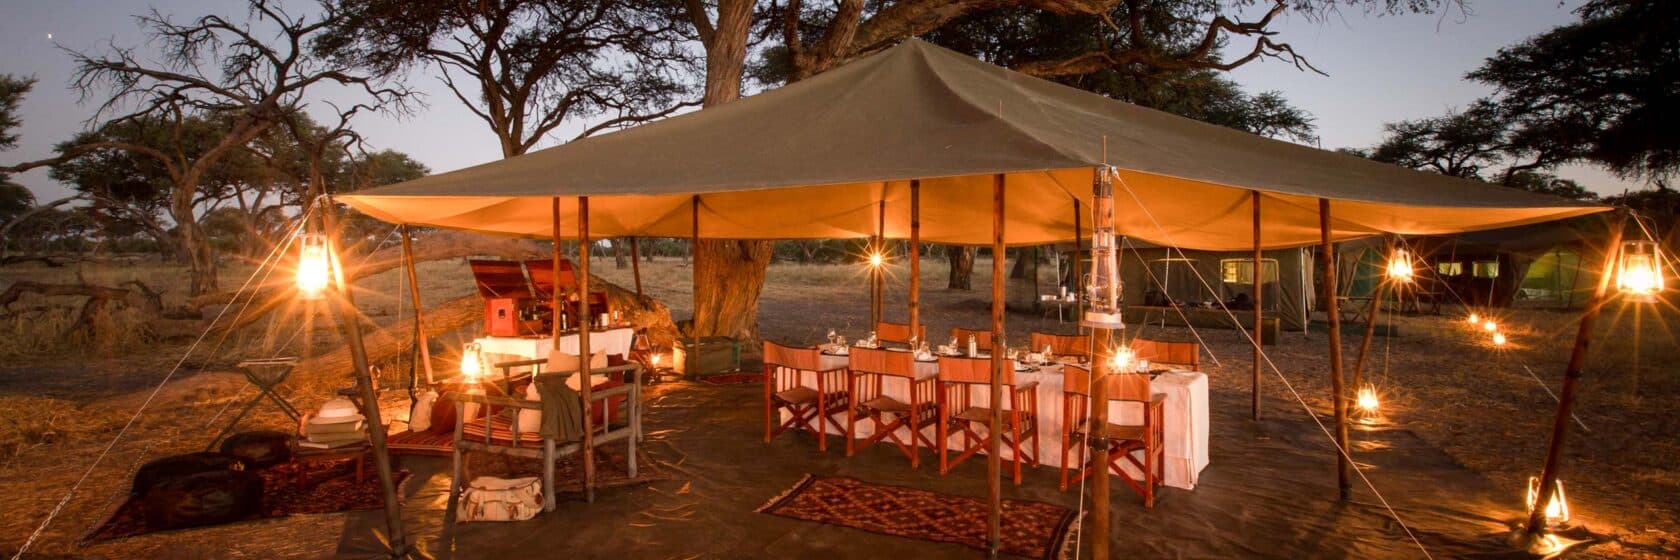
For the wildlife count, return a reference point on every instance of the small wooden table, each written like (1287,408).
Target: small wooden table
(305,457)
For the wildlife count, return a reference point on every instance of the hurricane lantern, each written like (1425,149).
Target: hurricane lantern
(1490,326)
(314,266)
(1122,360)
(1400,266)
(1557,509)
(1499,339)
(1473,319)
(472,362)
(1367,400)
(1639,270)
(1103,290)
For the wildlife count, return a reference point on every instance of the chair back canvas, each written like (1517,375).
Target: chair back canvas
(789,357)
(972,370)
(1121,387)
(883,362)
(982,339)
(897,332)
(1061,344)
(1187,354)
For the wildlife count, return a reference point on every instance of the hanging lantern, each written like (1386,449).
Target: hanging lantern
(1490,326)
(1472,319)
(1103,290)
(876,259)
(314,266)
(1557,509)
(1122,360)
(472,362)
(1499,339)
(1400,266)
(1367,400)
(1639,270)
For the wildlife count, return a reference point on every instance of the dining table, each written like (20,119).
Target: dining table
(1184,423)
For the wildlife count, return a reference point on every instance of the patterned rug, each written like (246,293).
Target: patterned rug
(1030,529)
(328,488)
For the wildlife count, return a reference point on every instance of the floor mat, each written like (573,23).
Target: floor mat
(1030,529)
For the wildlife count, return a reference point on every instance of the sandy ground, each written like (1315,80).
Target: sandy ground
(1442,382)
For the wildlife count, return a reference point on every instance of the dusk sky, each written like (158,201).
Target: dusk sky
(1381,69)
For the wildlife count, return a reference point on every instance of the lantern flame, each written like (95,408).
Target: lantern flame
(1637,272)
(1400,266)
(876,259)
(1367,400)
(472,362)
(1472,319)
(1499,339)
(1490,326)
(1557,509)
(314,267)
(1121,361)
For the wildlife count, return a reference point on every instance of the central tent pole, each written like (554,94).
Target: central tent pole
(1259,321)
(1571,378)
(1337,390)
(880,309)
(636,264)
(419,317)
(585,368)
(916,260)
(1078,269)
(694,286)
(994,446)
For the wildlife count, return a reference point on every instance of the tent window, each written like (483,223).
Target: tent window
(1486,269)
(1449,268)
(1241,271)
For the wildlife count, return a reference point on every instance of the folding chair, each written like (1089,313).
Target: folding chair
(982,339)
(1061,344)
(1122,439)
(957,378)
(809,408)
(870,370)
(898,332)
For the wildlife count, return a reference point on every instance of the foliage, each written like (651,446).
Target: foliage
(1464,143)
(12,91)
(1546,183)
(1602,89)
(527,66)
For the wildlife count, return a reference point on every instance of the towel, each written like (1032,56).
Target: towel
(562,409)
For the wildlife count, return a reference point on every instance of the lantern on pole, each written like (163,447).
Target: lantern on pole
(1400,266)
(1103,289)
(1499,339)
(1367,401)
(1123,359)
(1490,326)
(1557,509)
(314,266)
(1473,318)
(472,362)
(1638,269)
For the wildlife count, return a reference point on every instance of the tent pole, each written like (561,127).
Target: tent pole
(1377,298)
(694,286)
(1078,272)
(419,316)
(1102,349)
(994,446)
(1259,322)
(880,309)
(343,309)
(916,260)
(1338,400)
(1571,379)
(586,322)
(636,264)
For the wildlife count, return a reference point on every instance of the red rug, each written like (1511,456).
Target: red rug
(329,488)
(1030,529)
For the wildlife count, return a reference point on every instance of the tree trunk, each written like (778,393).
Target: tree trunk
(195,250)
(962,266)
(1019,271)
(620,260)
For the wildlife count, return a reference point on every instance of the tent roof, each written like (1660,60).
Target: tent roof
(813,159)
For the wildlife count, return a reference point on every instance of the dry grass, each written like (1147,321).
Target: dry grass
(1442,381)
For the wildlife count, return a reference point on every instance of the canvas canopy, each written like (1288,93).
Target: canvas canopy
(813,159)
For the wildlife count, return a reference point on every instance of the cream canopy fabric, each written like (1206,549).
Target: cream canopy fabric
(813,160)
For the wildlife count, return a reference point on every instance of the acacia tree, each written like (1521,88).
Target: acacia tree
(251,71)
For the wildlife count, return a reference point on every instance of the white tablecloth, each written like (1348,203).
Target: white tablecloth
(1185,413)
(518,348)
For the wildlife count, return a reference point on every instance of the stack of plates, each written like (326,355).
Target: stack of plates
(338,424)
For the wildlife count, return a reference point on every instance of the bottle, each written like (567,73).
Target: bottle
(973,347)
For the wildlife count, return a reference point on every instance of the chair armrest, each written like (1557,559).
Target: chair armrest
(1026,386)
(493,400)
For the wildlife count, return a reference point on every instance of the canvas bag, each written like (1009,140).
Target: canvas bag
(420,417)
(489,498)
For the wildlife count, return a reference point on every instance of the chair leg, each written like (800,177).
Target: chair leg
(851,432)
(944,444)
(822,426)
(915,450)
(1015,449)
(548,472)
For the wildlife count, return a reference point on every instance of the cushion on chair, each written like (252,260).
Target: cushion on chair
(443,415)
(886,404)
(797,395)
(1115,431)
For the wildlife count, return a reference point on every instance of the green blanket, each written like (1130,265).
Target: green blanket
(562,409)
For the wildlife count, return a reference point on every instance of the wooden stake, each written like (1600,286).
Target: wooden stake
(1337,390)
(916,259)
(420,345)
(1571,379)
(636,264)
(343,309)
(994,445)
(1259,320)
(586,321)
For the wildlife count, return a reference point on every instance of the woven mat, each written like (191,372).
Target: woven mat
(328,488)
(1030,529)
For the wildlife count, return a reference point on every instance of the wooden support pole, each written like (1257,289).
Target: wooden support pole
(879,311)
(636,263)
(586,322)
(1377,298)
(1259,319)
(343,309)
(694,286)
(1337,391)
(1095,441)
(994,442)
(1078,269)
(1571,379)
(916,259)
(420,346)
(555,302)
